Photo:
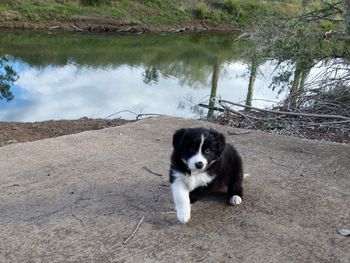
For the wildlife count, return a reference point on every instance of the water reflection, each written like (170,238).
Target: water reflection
(70,76)
(7,77)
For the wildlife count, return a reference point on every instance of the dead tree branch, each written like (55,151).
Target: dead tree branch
(328,116)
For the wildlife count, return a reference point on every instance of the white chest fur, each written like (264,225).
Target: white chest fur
(194,180)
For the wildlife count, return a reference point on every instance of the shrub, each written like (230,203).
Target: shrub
(95,2)
(231,7)
(201,11)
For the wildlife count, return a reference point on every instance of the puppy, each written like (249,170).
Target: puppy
(201,162)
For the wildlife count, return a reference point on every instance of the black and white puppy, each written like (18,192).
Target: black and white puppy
(202,162)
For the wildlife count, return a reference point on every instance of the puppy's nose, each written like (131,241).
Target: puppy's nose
(199,165)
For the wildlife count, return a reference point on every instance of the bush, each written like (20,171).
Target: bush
(201,11)
(231,7)
(95,2)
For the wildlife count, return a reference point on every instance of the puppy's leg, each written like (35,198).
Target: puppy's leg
(195,195)
(181,197)
(235,189)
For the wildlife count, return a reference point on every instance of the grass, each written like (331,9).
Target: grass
(241,13)
(46,10)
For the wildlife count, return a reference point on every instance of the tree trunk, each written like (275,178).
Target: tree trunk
(253,71)
(214,87)
(294,90)
(347,16)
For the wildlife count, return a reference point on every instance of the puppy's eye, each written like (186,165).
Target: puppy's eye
(207,151)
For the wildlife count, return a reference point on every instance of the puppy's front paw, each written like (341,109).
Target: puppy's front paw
(235,200)
(184,215)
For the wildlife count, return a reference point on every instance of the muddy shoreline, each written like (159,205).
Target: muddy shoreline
(96,24)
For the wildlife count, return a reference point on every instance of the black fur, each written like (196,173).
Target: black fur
(226,164)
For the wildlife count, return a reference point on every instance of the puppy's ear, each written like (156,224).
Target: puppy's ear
(219,140)
(178,137)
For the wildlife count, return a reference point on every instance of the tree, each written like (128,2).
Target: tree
(347,16)
(253,71)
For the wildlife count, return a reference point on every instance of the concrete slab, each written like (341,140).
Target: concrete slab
(77,198)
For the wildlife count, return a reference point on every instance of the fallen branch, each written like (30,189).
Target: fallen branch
(77,28)
(210,108)
(133,233)
(129,111)
(238,113)
(325,123)
(288,113)
(137,115)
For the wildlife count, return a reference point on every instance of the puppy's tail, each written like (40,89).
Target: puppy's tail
(245,176)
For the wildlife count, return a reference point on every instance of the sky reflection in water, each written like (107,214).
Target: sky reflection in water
(72,90)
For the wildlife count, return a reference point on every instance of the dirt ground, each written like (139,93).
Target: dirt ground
(79,198)
(13,132)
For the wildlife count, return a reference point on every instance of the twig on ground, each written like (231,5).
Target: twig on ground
(80,220)
(134,232)
(148,114)
(238,133)
(137,115)
(274,161)
(150,171)
(303,150)
(129,111)
(167,212)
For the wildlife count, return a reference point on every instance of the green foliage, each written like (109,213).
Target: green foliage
(327,25)
(243,13)
(201,11)
(216,17)
(231,6)
(7,77)
(95,2)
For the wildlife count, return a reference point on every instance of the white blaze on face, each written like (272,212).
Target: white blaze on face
(198,157)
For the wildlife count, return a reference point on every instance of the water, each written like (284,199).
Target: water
(69,76)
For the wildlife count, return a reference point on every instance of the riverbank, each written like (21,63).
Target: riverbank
(15,132)
(139,16)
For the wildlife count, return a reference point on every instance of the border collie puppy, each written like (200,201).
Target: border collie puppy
(201,163)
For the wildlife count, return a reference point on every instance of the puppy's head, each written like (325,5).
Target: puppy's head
(198,148)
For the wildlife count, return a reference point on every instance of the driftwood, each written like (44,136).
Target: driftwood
(329,116)
(210,108)
(238,113)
